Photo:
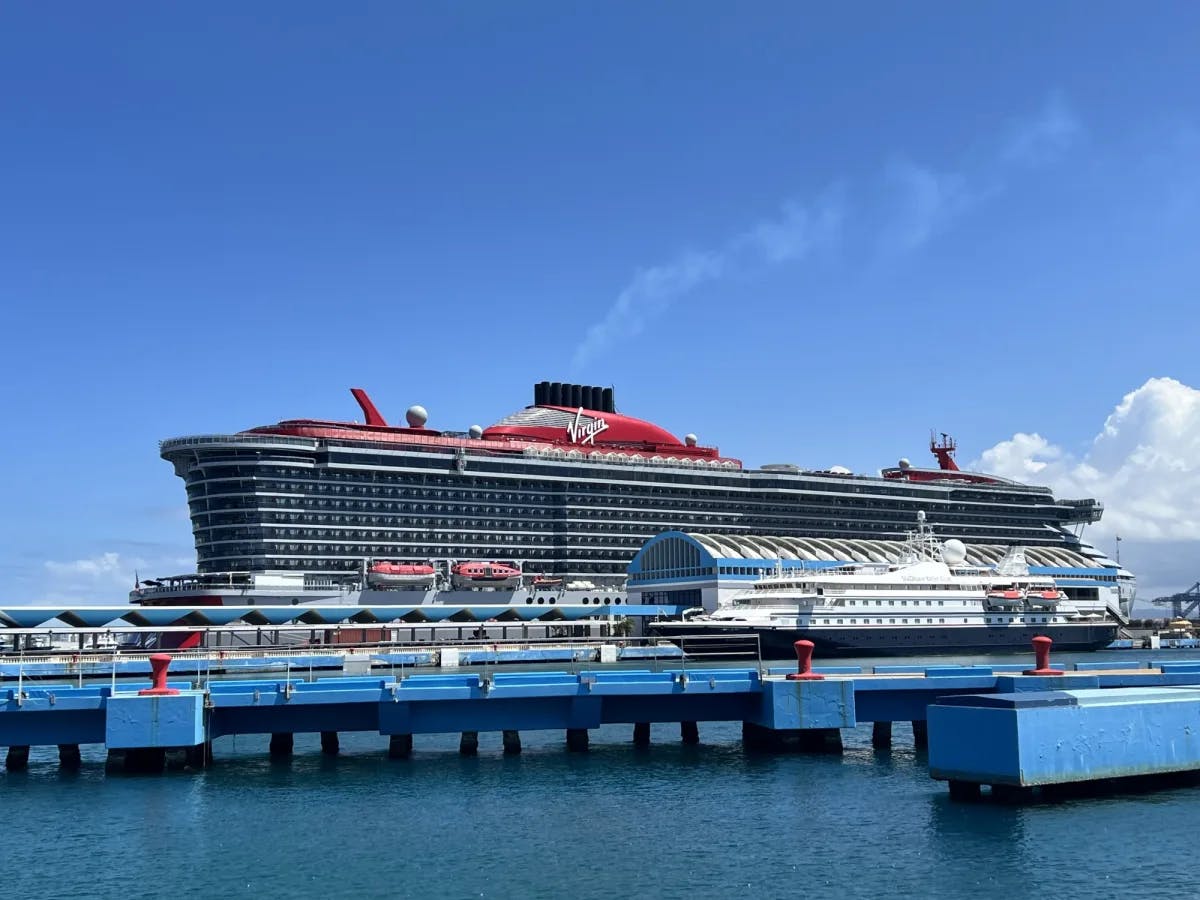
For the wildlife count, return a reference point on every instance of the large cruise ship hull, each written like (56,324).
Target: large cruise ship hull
(563,491)
(777,643)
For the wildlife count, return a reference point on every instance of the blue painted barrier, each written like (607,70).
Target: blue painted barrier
(1028,739)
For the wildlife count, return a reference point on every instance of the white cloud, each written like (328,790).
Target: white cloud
(1144,465)
(103,579)
(927,201)
(918,202)
(647,295)
(788,237)
(1045,137)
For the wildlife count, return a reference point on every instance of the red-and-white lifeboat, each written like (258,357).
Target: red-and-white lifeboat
(484,574)
(1005,597)
(1044,599)
(400,575)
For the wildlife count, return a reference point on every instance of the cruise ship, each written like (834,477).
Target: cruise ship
(932,599)
(564,491)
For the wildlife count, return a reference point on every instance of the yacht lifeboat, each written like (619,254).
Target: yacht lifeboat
(1045,599)
(547,582)
(1005,598)
(406,575)
(484,574)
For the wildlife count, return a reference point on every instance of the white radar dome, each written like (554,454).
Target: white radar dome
(904,464)
(690,440)
(954,552)
(416,416)
(839,470)
(475,431)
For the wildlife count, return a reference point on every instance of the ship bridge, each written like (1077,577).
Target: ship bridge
(706,570)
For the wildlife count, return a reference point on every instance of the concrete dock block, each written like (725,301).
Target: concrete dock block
(1032,739)
(512,742)
(134,721)
(799,705)
(641,734)
(689,732)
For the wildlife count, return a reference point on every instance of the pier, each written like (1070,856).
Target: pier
(173,722)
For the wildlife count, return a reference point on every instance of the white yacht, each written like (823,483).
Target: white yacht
(928,602)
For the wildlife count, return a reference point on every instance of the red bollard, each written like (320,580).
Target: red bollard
(804,672)
(158,666)
(1041,651)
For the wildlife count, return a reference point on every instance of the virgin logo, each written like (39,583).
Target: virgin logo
(581,432)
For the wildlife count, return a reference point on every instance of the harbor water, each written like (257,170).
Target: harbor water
(670,820)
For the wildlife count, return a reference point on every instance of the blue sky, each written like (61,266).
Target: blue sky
(806,234)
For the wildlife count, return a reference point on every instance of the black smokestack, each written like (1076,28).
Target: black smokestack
(554,394)
(539,393)
(606,403)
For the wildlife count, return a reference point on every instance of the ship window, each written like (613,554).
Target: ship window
(879,621)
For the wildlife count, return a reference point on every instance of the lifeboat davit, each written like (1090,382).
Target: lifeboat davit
(406,575)
(1045,599)
(1006,598)
(484,574)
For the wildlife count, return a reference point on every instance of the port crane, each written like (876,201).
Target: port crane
(1184,604)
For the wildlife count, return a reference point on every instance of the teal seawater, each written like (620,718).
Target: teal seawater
(669,821)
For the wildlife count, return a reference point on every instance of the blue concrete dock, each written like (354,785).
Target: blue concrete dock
(1022,740)
(142,731)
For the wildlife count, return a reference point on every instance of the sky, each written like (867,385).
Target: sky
(807,234)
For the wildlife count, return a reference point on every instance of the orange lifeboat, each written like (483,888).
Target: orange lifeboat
(406,575)
(1006,598)
(1045,599)
(484,574)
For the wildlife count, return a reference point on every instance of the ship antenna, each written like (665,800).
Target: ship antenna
(944,451)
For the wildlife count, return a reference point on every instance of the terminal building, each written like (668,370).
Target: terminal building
(706,570)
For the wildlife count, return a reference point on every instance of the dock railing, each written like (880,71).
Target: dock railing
(485,655)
